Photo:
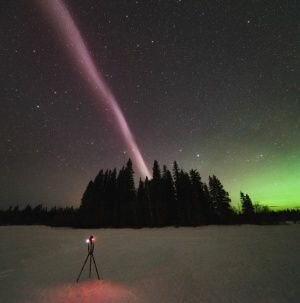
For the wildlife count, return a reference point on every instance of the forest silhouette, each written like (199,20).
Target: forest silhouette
(170,198)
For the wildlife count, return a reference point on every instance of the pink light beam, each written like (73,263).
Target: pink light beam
(66,26)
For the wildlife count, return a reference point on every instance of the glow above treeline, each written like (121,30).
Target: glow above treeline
(276,184)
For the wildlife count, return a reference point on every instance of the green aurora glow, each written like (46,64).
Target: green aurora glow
(275,183)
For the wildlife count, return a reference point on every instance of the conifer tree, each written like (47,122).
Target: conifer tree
(87,200)
(185,209)
(96,215)
(168,195)
(247,205)
(130,195)
(155,195)
(88,206)
(208,203)
(199,206)
(145,209)
(150,211)
(156,172)
(220,199)
(114,198)
(129,173)
(176,176)
(120,192)
(178,193)
(141,201)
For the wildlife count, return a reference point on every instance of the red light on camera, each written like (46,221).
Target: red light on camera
(90,239)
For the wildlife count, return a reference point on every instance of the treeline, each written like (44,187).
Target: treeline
(170,198)
(39,215)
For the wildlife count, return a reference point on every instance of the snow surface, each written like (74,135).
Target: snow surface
(205,264)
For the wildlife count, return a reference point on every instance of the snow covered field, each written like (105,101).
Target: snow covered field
(206,264)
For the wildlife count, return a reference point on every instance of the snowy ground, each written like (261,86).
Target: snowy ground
(206,264)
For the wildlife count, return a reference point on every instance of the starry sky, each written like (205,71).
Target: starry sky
(214,85)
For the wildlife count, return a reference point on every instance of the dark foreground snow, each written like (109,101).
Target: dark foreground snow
(206,264)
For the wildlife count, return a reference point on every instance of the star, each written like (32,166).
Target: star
(191,87)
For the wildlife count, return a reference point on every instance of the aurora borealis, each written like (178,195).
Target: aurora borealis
(210,84)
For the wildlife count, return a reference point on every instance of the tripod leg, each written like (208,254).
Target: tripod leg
(90,272)
(96,267)
(82,267)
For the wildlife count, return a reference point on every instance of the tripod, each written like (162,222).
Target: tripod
(90,257)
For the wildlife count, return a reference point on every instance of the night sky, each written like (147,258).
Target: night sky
(214,85)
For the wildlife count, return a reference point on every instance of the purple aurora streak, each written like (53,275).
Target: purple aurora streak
(65,25)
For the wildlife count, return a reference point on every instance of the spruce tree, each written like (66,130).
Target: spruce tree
(220,200)
(144,210)
(247,205)
(155,195)
(130,195)
(186,203)
(208,204)
(198,203)
(149,205)
(88,207)
(120,203)
(141,201)
(168,195)
(87,200)
(156,172)
(178,193)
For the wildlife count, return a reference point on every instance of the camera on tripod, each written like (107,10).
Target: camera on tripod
(91,245)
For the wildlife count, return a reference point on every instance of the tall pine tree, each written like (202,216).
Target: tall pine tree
(220,200)
(247,205)
(169,196)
